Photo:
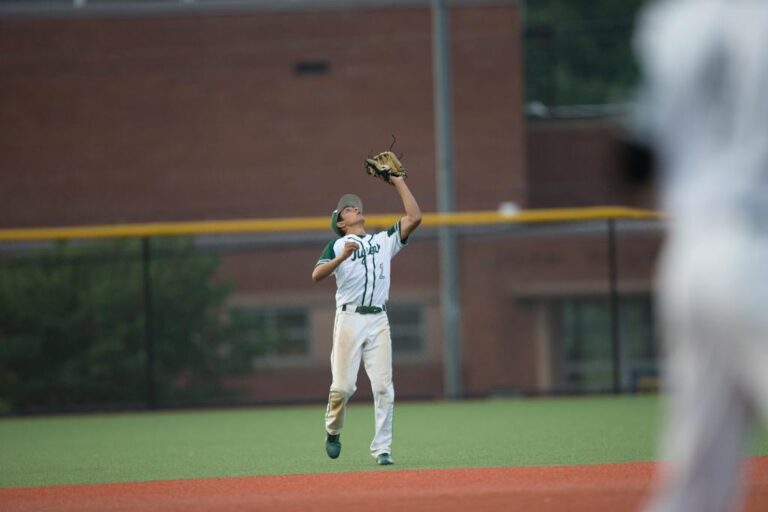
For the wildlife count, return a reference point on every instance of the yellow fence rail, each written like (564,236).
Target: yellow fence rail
(277,225)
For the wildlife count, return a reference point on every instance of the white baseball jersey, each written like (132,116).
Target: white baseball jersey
(363,278)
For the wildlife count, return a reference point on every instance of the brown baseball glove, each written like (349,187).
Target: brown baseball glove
(384,166)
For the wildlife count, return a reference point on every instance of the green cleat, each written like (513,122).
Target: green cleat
(333,445)
(384,459)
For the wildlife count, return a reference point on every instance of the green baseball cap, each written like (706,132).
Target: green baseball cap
(346,200)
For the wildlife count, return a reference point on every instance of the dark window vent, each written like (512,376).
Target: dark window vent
(311,67)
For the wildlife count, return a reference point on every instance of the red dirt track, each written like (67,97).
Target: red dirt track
(611,487)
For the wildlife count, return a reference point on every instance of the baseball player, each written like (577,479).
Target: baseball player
(706,107)
(361,264)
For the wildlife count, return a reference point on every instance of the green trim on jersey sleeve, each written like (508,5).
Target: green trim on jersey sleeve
(396,229)
(328,254)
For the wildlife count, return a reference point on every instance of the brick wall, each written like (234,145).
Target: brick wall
(202,116)
(579,163)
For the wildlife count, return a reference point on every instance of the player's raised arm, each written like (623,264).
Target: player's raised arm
(323,270)
(386,166)
(412,217)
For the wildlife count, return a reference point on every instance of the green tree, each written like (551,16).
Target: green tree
(579,51)
(72,327)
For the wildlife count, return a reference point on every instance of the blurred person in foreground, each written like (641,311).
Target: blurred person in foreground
(705,109)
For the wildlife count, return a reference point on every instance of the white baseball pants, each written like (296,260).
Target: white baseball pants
(367,337)
(714,298)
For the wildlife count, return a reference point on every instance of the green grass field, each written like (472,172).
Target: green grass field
(289,440)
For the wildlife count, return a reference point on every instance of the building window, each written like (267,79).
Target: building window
(311,67)
(583,349)
(406,322)
(274,331)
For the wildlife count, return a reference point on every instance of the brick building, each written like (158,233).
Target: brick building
(260,109)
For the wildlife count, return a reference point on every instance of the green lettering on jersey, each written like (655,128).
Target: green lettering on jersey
(361,253)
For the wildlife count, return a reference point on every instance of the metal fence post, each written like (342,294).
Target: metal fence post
(616,347)
(449,273)
(149,344)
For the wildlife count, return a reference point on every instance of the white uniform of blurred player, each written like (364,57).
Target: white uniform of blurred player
(706,106)
(361,265)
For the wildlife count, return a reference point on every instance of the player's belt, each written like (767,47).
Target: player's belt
(364,310)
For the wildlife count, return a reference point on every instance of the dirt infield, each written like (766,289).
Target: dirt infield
(566,488)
